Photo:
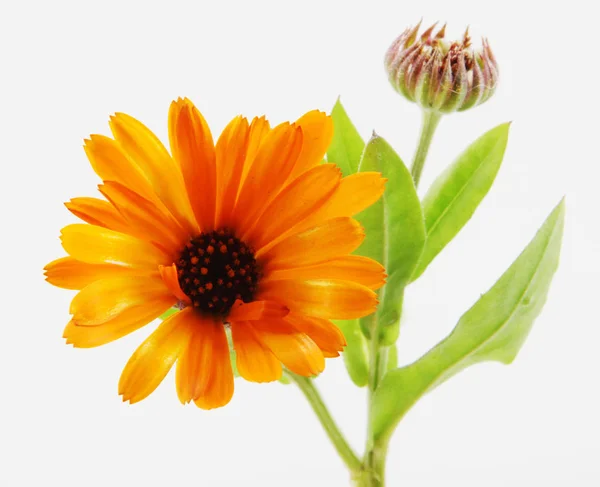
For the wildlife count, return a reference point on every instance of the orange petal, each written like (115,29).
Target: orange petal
(353,195)
(270,169)
(195,365)
(111,163)
(330,299)
(259,129)
(69,273)
(153,359)
(256,310)
(298,200)
(97,245)
(98,212)
(324,333)
(220,385)
(106,299)
(317,132)
(356,268)
(171,280)
(146,221)
(231,155)
(254,361)
(334,238)
(165,176)
(81,336)
(193,148)
(294,349)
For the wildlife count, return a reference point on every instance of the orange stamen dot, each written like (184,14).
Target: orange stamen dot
(230,273)
(223,249)
(194,260)
(210,249)
(208,285)
(203,271)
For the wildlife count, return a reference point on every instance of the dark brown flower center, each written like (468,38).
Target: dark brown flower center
(215,269)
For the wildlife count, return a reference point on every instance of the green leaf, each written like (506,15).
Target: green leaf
(168,313)
(395,231)
(347,145)
(456,193)
(232,355)
(356,352)
(493,329)
(392,359)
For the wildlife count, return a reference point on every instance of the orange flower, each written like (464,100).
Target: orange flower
(253,233)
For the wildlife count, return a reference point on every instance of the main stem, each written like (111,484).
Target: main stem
(313,397)
(373,474)
(371,471)
(428,126)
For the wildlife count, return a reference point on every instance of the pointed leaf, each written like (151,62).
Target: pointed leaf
(395,231)
(493,329)
(456,193)
(347,145)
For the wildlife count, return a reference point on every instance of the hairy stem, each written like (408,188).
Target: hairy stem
(428,126)
(313,397)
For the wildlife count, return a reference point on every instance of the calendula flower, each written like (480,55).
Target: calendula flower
(252,233)
(441,76)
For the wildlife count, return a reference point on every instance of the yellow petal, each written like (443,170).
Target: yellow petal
(111,163)
(294,349)
(256,310)
(329,299)
(81,336)
(98,212)
(231,156)
(270,169)
(297,201)
(259,129)
(193,149)
(254,361)
(153,359)
(165,176)
(317,132)
(194,367)
(69,273)
(146,220)
(97,245)
(106,299)
(220,386)
(324,333)
(353,195)
(171,279)
(356,268)
(334,238)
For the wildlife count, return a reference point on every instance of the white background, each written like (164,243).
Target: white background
(65,66)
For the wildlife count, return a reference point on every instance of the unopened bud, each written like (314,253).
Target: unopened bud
(440,76)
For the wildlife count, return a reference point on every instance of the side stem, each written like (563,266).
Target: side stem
(428,126)
(313,397)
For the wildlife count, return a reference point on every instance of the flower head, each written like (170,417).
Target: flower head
(251,233)
(440,76)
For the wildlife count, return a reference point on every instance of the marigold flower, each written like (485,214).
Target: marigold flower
(440,76)
(251,233)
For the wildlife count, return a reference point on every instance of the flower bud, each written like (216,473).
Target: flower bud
(440,76)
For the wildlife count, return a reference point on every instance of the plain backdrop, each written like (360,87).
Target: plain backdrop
(66,66)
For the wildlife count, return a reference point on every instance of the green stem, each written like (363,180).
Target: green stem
(428,126)
(373,474)
(313,397)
